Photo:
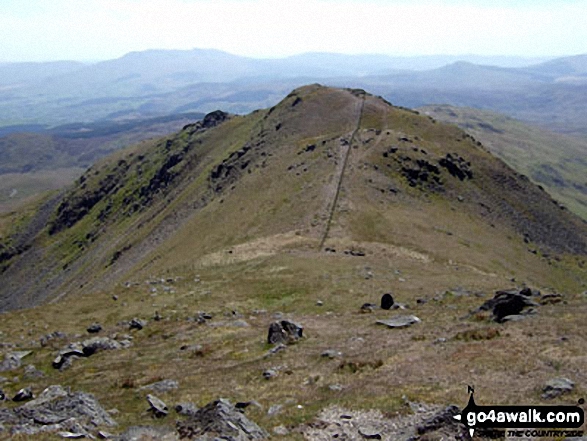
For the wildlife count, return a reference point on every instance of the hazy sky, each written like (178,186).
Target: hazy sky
(39,30)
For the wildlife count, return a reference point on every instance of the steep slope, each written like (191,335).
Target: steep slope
(325,168)
(553,160)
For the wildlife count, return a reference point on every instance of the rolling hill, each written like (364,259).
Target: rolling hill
(46,159)
(186,248)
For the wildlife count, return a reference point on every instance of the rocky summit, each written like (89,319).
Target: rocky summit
(196,262)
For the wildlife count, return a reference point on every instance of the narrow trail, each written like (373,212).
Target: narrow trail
(341,177)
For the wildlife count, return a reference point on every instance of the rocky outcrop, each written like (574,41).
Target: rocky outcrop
(220,419)
(56,410)
(284,332)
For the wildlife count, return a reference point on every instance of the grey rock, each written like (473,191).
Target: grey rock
(96,344)
(44,341)
(275,409)
(557,387)
(400,321)
(284,332)
(162,386)
(10,362)
(368,432)
(274,350)
(444,420)
(186,409)
(506,303)
(56,405)
(88,347)
(157,406)
(222,420)
(269,374)
(513,318)
(24,394)
(331,354)
(368,307)
(94,328)
(144,433)
(137,323)
(281,430)
(30,372)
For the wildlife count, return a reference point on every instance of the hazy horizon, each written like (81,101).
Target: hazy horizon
(96,30)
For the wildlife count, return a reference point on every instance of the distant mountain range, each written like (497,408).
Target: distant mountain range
(158,82)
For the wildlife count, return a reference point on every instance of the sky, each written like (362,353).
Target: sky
(92,30)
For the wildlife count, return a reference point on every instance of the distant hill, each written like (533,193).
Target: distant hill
(555,161)
(30,161)
(156,82)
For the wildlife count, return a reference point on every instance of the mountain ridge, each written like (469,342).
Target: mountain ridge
(311,173)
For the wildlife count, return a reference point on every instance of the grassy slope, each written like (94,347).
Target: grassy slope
(255,247)
(555,161)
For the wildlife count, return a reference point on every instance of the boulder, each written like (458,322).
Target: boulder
(220,420)
(137,323)
(400,321)
(10,362)
(368,307)
(23,395)
(557,387)
(386,301)
(157,407)
(506,303)
(284,332)
(94,328)
(88,347)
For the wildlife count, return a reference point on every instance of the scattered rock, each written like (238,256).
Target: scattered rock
(551,299)
(57,410)
(157,407)
(269,374)
(277,348)
(445,423)
(220,419)
(137,323)
(369,432)
(162,386)
(146,433)
(506,303)
(281,430)
(275,409)
(331,354)
(557,387)
(24,394)
(284,332)
(400,321)
(94,328)
(10,362)
(368,307)
(30,372)
(386,301)
(89,347)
